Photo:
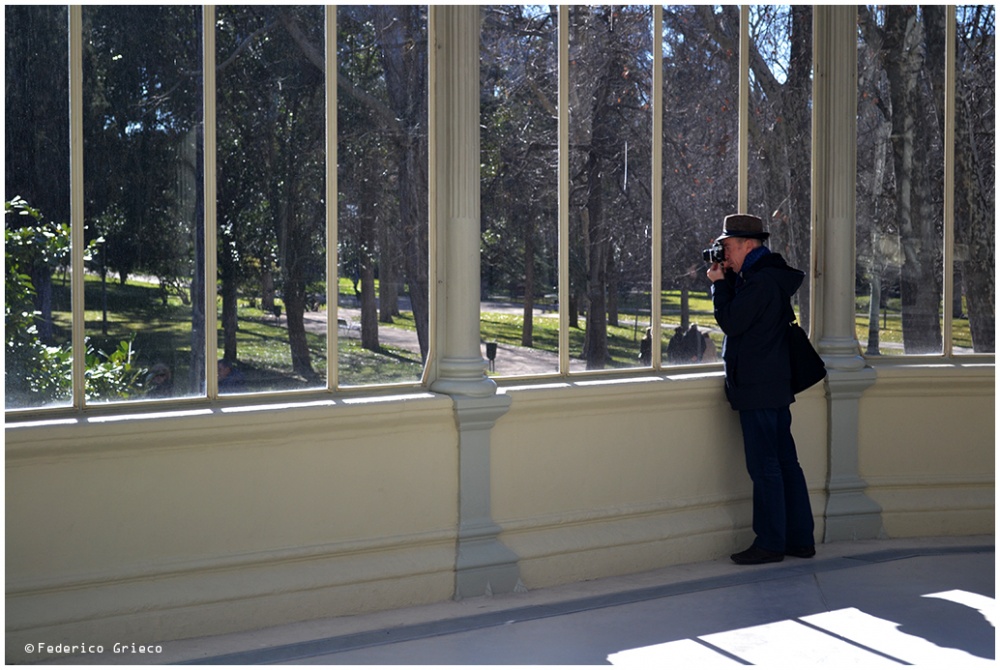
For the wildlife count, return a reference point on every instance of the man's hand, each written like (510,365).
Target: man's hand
(716,272)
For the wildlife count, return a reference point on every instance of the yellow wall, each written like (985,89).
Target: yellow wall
(165,527)
(927,452)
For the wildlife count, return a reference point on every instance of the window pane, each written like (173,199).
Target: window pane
(974,311)
(700,162)
(382,183)
(38,364)
(900,179)
(143,198)
(610,76)
(780,134)
(271,199)
(519,192)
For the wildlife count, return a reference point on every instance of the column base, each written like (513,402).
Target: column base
(851,514)
(464,377)
(484,566)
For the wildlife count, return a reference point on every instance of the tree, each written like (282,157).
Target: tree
(36,131)
(904,84)
(975,171)
(519,139)
(609,108)
(273,119)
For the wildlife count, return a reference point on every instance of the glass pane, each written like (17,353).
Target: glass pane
(974,311)
(900,183)
(700,163)
(38,363)
(271,199)
(519,317)
(780,156)
(382,183)
(610,77)
(143,201)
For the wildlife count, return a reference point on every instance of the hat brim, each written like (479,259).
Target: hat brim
(752,236)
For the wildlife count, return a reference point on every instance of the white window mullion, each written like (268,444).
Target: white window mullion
(211,260)
(332,277)
(949,179)
(744,137)
(563,47)
(75,65)
(656,303)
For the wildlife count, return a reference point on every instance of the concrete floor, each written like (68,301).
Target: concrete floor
(879,603)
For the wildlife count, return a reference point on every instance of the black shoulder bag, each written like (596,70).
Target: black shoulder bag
(808,367)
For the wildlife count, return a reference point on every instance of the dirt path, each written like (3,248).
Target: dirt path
(510,361)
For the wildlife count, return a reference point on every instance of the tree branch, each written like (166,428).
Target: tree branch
(318,60)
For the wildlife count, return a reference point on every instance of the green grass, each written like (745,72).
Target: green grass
(161,332)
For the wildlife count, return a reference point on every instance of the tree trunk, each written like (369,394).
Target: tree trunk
(920,301)
(527,329)
(874,307)
(976,233)
(613,288)
(230,323)
(267,290)
(196,377)
(388,278)
(295,306)
(406,84)
(369,313)
(595,343)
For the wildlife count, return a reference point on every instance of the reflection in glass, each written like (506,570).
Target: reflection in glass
(700,162)
(900,181)
(780,134)
(143,201)
(382,201)
(610,124)
(38,342)
(974,306)
(271,198)
(519,191)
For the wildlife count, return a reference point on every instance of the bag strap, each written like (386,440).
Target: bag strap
(792,320)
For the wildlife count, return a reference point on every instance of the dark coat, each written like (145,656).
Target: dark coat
(753,311)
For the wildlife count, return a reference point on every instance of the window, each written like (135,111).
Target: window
(382,140)
(701,182)
(519,317)
(973,299)
(166,205)
(144,284)
(651,170)
(38,350)
(288,190)
(910,165)
(270,211)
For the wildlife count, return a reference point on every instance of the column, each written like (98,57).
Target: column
(850,513)
(460,366)
(483,565)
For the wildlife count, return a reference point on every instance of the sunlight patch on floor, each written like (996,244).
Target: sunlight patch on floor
(846,637)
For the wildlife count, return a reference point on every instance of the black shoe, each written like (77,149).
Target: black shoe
(755,556)
(801,552)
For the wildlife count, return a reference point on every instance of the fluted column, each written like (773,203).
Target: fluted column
(850,513)
(483,565)
(461,368)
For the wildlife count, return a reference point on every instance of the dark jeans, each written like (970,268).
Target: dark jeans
(782,515)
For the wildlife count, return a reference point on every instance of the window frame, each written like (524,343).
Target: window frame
(79,404)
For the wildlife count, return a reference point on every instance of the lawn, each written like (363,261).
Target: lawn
(160,329)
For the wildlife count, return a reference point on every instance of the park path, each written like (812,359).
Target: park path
(511,361)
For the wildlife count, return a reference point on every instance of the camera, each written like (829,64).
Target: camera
(714,254)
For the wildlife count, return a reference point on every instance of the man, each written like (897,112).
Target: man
(751,294)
